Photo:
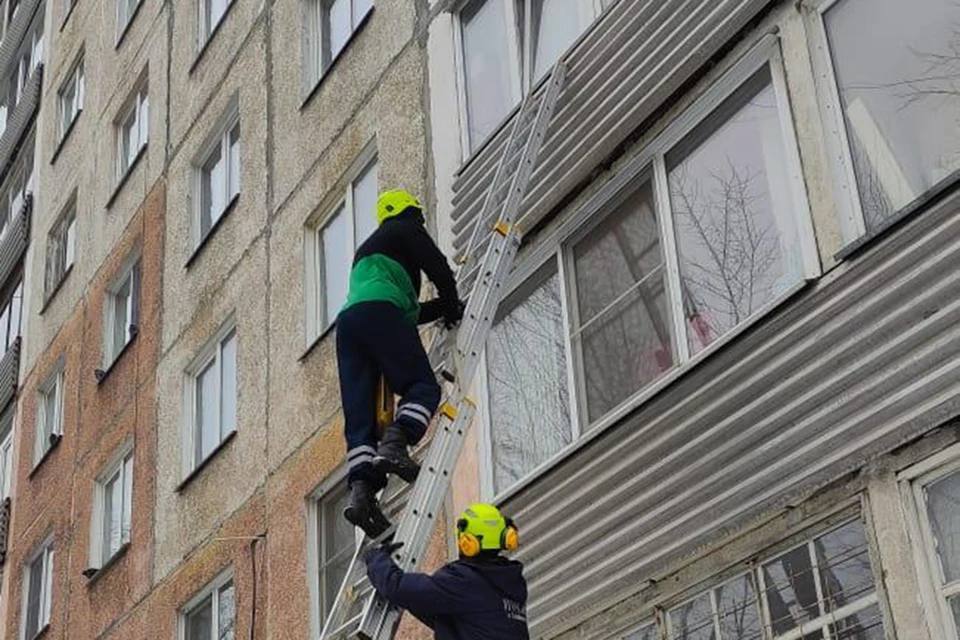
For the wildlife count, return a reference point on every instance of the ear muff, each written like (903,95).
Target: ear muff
(510,537)
(468,544)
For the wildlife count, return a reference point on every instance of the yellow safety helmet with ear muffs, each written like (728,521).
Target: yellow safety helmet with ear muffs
(481,527)
(394,202)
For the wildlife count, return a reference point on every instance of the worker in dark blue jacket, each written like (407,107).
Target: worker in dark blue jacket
(482,596)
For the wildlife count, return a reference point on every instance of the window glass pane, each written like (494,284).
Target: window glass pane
(899,87)
(227,611)
(557,23)
(487,67)
(734,214)
(791,591)
(212,201)
(844,563)
(34,593)
(865,625)
(360,9)
(143,120)
(624,346)
(50,414)
(336,263)
(527,380)
(954,602)
(200,621)
(648,632)
(337,542)
(113,514)
(208,431)
(234,151)
(338,25)
(693,620)
(6,463)
(228,363)
(70,239)
(127,133)
(943,497)
(127,497)
(737,610)
(365,204)
(121,322)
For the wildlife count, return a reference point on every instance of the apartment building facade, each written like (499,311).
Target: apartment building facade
(720,397)
(197,176)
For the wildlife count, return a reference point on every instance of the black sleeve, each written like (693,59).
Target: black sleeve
(430,311)
(434,264)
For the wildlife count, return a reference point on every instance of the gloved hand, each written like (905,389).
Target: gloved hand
(453,315)
(388,547)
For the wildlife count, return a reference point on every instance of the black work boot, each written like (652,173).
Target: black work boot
(392,456)
(363,511)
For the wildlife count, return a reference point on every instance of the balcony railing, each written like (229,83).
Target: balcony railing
(9,374)
(13,242)
(16,32)
(20,120)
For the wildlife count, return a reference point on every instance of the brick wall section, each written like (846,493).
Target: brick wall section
(56,497)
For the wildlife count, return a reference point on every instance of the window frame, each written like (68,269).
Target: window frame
(912,484)
(116,468)
(45,550)
(75,80)
(125,18)
(130,272)
(521,57)
(61,247)
(206,32)
(846,188)
(650,161)
(218,140)
(211,353)
(45,442)
(315,44)
(331,488)
(7,461)
(211,590)
(133,109)
(317,322)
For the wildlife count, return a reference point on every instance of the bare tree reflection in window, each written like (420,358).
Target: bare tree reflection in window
(527,379)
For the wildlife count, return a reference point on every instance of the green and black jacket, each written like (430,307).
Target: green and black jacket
(387,266)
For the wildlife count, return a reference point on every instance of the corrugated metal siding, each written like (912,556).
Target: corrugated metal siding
(15,240)
(633,59)
(17,125)
(9,374)
(13,38)
(864,360)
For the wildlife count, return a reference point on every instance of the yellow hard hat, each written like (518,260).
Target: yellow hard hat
(393,203)
(481,527)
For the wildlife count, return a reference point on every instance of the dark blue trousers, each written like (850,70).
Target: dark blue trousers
(373,338)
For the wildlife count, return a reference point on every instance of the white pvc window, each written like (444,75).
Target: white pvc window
(121,313)
(212,614)
(6,455)
(336,542)
(49,414)
(61,248)
(707,230)
(932,492)
(125,12)
(211,399)
(37,592)
(330,25)
(19,182)
(70,99)
(113,505)
(332,246)
(218,177)
(211,14)
(505,47)
(891,96)
(10,318)
(527,379)
(133,128)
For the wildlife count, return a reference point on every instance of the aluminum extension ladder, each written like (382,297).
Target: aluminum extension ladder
(358,612)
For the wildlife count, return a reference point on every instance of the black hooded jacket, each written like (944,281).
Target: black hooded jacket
(470,599)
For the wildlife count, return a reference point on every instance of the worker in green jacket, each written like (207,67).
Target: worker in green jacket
(377,335)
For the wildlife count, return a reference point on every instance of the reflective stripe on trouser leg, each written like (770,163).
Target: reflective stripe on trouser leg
(360,455)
